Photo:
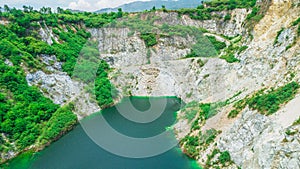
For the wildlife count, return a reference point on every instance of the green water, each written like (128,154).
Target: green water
(77,150)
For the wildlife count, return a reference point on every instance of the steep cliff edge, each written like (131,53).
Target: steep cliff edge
(270,58)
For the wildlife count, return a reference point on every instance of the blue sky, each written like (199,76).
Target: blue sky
(87,5)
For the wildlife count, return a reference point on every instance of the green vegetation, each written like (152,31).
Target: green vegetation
(191,110)
(277,36)
(149,38)
(104,90)
(22,32)
(23,108)
(60,122)
(242,49)
(150,32)
(220,5)
(204,110)
(230,58)
(254,15)
(257,13)
(198,113)
(26,116)
(296,22)
(21,161)
(297,122)
(204,13)
(234,49)
(208,137)
(238,107)
(25,113)
(290,133)
(217,44)
(224,159)
(227,17)
(192,145)
(267,102)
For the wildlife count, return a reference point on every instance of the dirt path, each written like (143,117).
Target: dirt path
(288,114)
(219,121)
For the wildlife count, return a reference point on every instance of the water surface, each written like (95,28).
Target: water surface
(77,150)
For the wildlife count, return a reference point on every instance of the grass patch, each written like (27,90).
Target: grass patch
(149,39)
(242,49)
(23,160)
(217,44)
(192,145)
(296,22)
(267,102)
(297,122)
(238,107)
(224,159)
(230,58)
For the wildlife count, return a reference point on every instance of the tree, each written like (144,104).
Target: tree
(164,8)
(45,10)
(30,8)
(25,8)
(120,13)
(6,8)
(60,10)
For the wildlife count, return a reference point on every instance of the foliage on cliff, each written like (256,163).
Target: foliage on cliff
(104,90)
(26,116)
(267,102)
(204,12)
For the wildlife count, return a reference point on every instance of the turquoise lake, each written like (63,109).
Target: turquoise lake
(77,150)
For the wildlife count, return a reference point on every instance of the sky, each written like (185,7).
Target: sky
(85,5)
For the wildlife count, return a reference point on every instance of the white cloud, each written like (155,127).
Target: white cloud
(86,5)
(113,3)
(80,5)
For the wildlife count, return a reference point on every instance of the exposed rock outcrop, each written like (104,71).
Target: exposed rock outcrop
(62,89)
(254,141)
(233,27)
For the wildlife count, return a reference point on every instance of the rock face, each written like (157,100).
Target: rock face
(47,34)
(262,64)
(60,88)
(233,27)
(254,141)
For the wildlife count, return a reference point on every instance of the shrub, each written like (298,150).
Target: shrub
(242,49)
(61,121)
(297,122)
(277,36)
(230,58)
(217,44)
(227,17)
(224,157)
(268,103)
(149,39)
(104,90)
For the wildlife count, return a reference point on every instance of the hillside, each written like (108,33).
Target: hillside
(140,6)
(235,64)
